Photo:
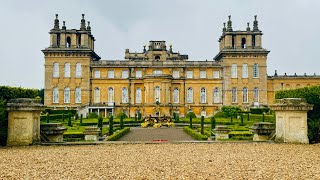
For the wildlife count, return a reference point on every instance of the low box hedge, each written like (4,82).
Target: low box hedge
(117,135)
(194,134)
(53,117)
(73,136)
(240,133)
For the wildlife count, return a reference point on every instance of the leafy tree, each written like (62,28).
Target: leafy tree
(230,111)
(191,114)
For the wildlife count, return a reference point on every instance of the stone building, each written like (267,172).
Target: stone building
(159,81)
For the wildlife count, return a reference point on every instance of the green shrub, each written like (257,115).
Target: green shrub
(194,134)
(191,114)
(81,117)
(72,112)
(202,124)
(50,117)
(100,122)
(190,118)
(139,116)
(73,137)
(121,122)
(220,114)
(213,123)
(69,120)
(117,135)
(256,110)
(76,116)
(93,115)
(240,133)
(123,115)
(110,125)
(314,131)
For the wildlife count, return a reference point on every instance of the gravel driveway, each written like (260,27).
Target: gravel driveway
(156,134)
(162,161)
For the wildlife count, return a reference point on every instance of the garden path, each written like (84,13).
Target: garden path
(156,134)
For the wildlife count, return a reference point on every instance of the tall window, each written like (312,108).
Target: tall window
(176,74)
(66,95)
(175,95)
(245,95)
(157,94)
(234,95)
(244,70)
(78,70)
(110,74)
(55,70)
(78,95)
(138,95)
(216,74)
(55,95)
(234,71)
(203,74)
(125,74)
(190,95)
(255,70)
(216,95)
(124,95)
(256,94)
(110,95)
(203,95)
(96,74)
(138,74)
(189,74)
(67,70)
(96,95)
(157,72)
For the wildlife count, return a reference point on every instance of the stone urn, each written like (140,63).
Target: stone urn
(262,130)
(222,132)
(52,132)
(91,133)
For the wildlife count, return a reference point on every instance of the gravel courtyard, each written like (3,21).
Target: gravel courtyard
(162,161)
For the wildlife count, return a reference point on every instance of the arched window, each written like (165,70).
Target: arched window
(190,95)
(78,95)
(157,94)
(233,71)
(110,94)
(138,95)
(256,94)
(216,95)
(55,95)
(68,42)
(55,70)
(255,70)
(67,70)
(124,95)
(234,95)
(66,95)
(78,70)
(244,70)
(243,43)
(203,97)
(96,95)
(245,95)
(175,95)
(157,57)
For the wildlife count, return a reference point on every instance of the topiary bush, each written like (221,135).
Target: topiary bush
(194,134)
(220,114)
(110,125)
(191,114)
(117,135)
(202,124)
(93,115)
(256,110)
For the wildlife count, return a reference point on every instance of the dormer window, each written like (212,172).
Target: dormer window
(157,45)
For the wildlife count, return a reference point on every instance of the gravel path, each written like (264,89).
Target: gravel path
(162,161)
(154,134)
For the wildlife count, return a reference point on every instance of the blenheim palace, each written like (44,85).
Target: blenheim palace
(159,81)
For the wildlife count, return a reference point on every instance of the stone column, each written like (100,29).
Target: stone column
(24,121)
(291,120)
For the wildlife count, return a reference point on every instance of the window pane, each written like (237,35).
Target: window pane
(97,95)
(67,70)
(78,95)
(245,71)
(189,74)
(234,71)
(190,95)
(157,72)
(138,95)
(157,94)
(216,95)
(234,95)
(96,74)
(110,95)
(66,95)
(255,70)
(202,74)
(55,95)
(138,74)
(256,94)
(176,95)
(78,70)
(55,69)
(110,74)
(245,95)
(124,95)
(216,74)
(203,95)
(176,74)
(125,74)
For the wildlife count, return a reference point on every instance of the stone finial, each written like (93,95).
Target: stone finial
(224,27)
(248,26)
(56,23)
(275,73)
(255,24)
(229,26)
(64,26)
(83,23)
(89,27)
(170,48)
(144,48)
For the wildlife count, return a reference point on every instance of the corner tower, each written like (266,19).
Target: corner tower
(244,65)
(67,65)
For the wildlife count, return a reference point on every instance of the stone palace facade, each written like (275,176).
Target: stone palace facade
(159,81)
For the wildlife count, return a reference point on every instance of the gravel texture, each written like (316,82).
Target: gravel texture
(154,134)
(162,161)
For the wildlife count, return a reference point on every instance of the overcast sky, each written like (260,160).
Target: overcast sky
(290,30)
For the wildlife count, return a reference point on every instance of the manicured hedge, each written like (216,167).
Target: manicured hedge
(117,135)
(73,137)
(194,134)
(65,112)
(52,117)
(259,110)
(240,133)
